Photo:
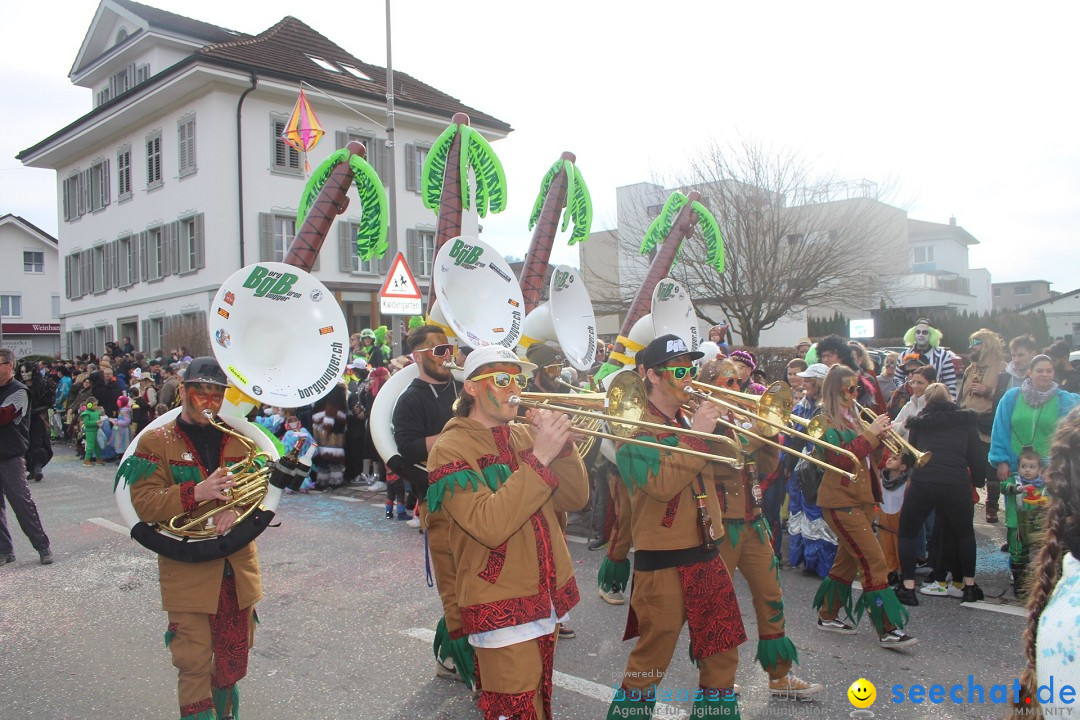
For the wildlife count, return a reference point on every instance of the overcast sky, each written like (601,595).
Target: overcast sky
(970,107)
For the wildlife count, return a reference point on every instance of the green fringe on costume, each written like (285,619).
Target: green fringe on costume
(882,605)
(778,606)
(460,651)
(716,707)
(839,592)
(133,470)
(732,528)
(493,477)
(622,707)
(613,576)
(441,645)
(185,473)
(637,462)
(221,701)
(169,635)
(771,652)
(204,715)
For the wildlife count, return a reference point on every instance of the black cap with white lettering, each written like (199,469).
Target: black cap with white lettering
(665,348)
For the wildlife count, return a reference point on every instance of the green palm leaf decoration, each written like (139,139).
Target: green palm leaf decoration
(431,176)
(579,208)
(490,176)
(662,225)
(538,205)
(371,238)
(714,239)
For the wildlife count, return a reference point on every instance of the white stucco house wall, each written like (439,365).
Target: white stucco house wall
(30,278)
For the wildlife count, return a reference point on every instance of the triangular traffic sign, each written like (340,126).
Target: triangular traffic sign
(399,281)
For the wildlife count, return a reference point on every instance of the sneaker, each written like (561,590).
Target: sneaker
(377,486)
(954,591)
(445,668)
(7,559)
(837,626)
(566,633)
(413,522)
(100,461)
(935,589)
(991,515)
(894,579)
(87,462)
(792,688)
(46,557)
(613,597)
(907,596)
(389,513)
(598,544)
(972,593)
(897,638)
(404,517)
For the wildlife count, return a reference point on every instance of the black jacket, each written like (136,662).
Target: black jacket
(949,433)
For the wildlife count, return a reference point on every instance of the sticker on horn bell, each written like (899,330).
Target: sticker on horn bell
(326,330)
(223,313)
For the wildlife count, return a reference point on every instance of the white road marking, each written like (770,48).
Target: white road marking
(993,607)
(344,498)
(577,539)
(110,525)
(572,683)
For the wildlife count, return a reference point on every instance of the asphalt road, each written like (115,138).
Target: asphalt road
(347,621)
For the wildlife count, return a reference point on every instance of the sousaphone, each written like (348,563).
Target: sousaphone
(672,313)
(567,318)
(478,295)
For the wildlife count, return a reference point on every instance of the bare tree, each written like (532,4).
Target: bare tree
(794,240)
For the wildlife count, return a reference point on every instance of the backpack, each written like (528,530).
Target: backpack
(808,476)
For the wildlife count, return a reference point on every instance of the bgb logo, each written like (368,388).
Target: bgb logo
(464,254)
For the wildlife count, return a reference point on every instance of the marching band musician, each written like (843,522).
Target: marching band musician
(422,410)
(679,577)
(211,604)
(748,547)
(499,487)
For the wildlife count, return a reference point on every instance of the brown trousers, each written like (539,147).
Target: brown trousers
(858,553)
(657,601)
(754,558)
(888,534)
(211,651)
(516,679)
(620,533)
(437,526)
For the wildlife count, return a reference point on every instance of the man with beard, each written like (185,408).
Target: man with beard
(422,410)
(925,340)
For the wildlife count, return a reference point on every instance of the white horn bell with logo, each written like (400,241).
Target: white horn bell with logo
(478,295)
(673,313)
(278,334)
(567,318)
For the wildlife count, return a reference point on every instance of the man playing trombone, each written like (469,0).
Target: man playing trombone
(679,576)
(501,485)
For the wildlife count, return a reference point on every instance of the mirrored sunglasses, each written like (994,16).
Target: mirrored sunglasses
(439,350)
(851,389)
(503,379)
(553,370)
(679,372)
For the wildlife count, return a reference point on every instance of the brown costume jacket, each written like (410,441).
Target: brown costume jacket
(168,491)
(836,490)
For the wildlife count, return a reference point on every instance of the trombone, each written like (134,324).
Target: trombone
(773,408)
(896,443)
(624,404)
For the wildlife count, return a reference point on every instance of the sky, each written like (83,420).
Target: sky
(967,109)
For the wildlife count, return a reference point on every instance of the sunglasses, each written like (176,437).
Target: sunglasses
(553,370)
(851,389)
(503,379)
(975,342)
(439,350)
(679,372)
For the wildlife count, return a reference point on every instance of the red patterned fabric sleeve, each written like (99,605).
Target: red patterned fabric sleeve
(860,447)
(545,473)
(187,496)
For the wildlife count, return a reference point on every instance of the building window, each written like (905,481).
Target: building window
(349,259)
(325,65)
(191,243)
(122,81)
(98,179)
(156,254)
(73,275)
(127,262)
(55,307)
(285,157)
(98,260)
(414,166)
(1022,290)
(421,250)
(123,173)
(153,160)
(33,262)
(997,292)
(155,333)
(923,254)
(186,136)
(654,210)
(376,156)
(355,72)
(11,306)
(284,232)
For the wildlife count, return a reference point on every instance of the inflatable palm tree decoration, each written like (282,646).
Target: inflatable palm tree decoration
(444,181)
(325,197)
(666,234)
(562,187)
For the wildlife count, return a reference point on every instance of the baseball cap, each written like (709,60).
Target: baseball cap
(667,347)
(544,355)
(205,370)
(490,354)
(358,364)
(816,371)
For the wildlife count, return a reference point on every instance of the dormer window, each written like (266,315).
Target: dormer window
(121,35)
(324,64)
(355,72)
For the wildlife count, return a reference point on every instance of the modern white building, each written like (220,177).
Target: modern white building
(30,276)
(1062,312)
(926,264)
(177,177)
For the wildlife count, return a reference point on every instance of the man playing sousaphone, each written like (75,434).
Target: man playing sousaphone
(211,604)
(679,576)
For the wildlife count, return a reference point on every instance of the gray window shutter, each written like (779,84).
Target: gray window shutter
(105,184)
(380,159)
(412,248)
(87,271)
(200,241)
(340,139)
(384,264)
(172,245)
(136,255)
(411,181)
(107,270)
(344,243)
(67,283)
(116,259)
(266,237)
(145,339)
(144,256)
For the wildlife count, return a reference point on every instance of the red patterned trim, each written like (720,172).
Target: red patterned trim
(187,496)
(860,447)
(670,510)
(458,634)
(184,463)
(567,450)
(872,588)
(547,661)
(864,564)
(712,610)
(566,597)
(501,435)
(496,558)
(545,473)
(485,461)
(695,443)
(196,707)
(839,579)
(516,706)
(518,611)
(147,456)
(448,469)
(777,636)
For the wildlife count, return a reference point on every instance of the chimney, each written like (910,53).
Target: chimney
(952,221)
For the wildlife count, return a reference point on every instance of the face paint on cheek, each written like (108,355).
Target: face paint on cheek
(493,399)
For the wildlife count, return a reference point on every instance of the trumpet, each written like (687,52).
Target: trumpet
(896,443)
(773,409)
(624,404)
(703,396)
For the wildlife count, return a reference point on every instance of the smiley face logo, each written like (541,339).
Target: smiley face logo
(862,693)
